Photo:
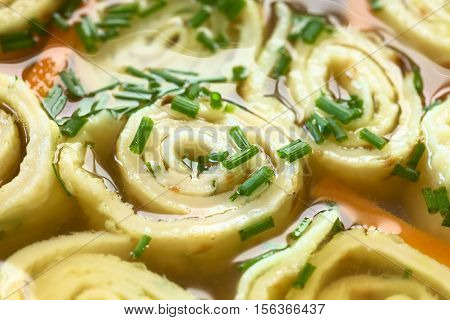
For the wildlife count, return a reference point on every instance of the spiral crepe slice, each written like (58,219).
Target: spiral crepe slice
(166,37)
(424,25)
(354,264)
(189,215)
(15,15)
(83,266)
(29,191)
(359,65)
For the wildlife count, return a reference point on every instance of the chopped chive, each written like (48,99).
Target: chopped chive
(417,79)
(199,17)
(304,275)
(240,158)
(338,226)
(222,40)
(407,273)
(16,41)
(72,83)
(210,80)
(84,31)
(240,73)
(416,155)
(343,114)
(60,180)
(140,247)
(247,264)
(313,130)
(256,228)
(258,178)
(207,41)
(405,173)
(70,7)
(229,107)
(185,106)
(338,132)
(430,200)
(193,91)
(322,124)
(60,21)
(142,134)
(218,156)
(446,221)
(312,30)
(297,233)
(125,7)
(154,171)
(372,138)
(130,87)
(183,72)
(55,101)
(107,34)
(168,77)
(110,86)
(215,100)
(295,150)
(114,22)
(231,8)
(71,127)
(138,73)
(158,5)
(442,200)
(376,5)
(137,96)
(239,137)
(433,104)
(281,66)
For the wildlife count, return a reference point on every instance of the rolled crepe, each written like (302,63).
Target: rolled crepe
(192,217)
(83,266)
(353,264)
(29,140)
(423,24)
(15,15)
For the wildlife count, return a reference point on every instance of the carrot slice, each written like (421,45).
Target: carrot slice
(362,211)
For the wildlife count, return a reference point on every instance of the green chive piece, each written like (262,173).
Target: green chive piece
(60,180)
(281,66)
(140,247)
(430,200)
(258,178)
(338,132)
(199,17)
(142,134)
(114,23)
(70,7)
(405,173)
(247,264)
(343,114)
(446,221)
(407,273)
(256,228)
(295,150)
(168,77)
(231,8)
(185,106)
(417,153)
(207,41)
(130,87)
(16,41)
(304,275)
(71,127)
(86,35)
(372,138)
(417,79)
(137,96)
(229,107)
(138,73)
(312,30)
(72,83)
(183,72)
(158,5)
(433,104)
(442,200)
(240,73)
(193,91)
(313,130)
(239,137)
(297,233)
(154,170)
(55,101)
(376,5)
(110,86)
(221,40)
(218,156)
(322,124)
(122,8)
(60,21)
(107,34)
(240,158)
(215,100)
